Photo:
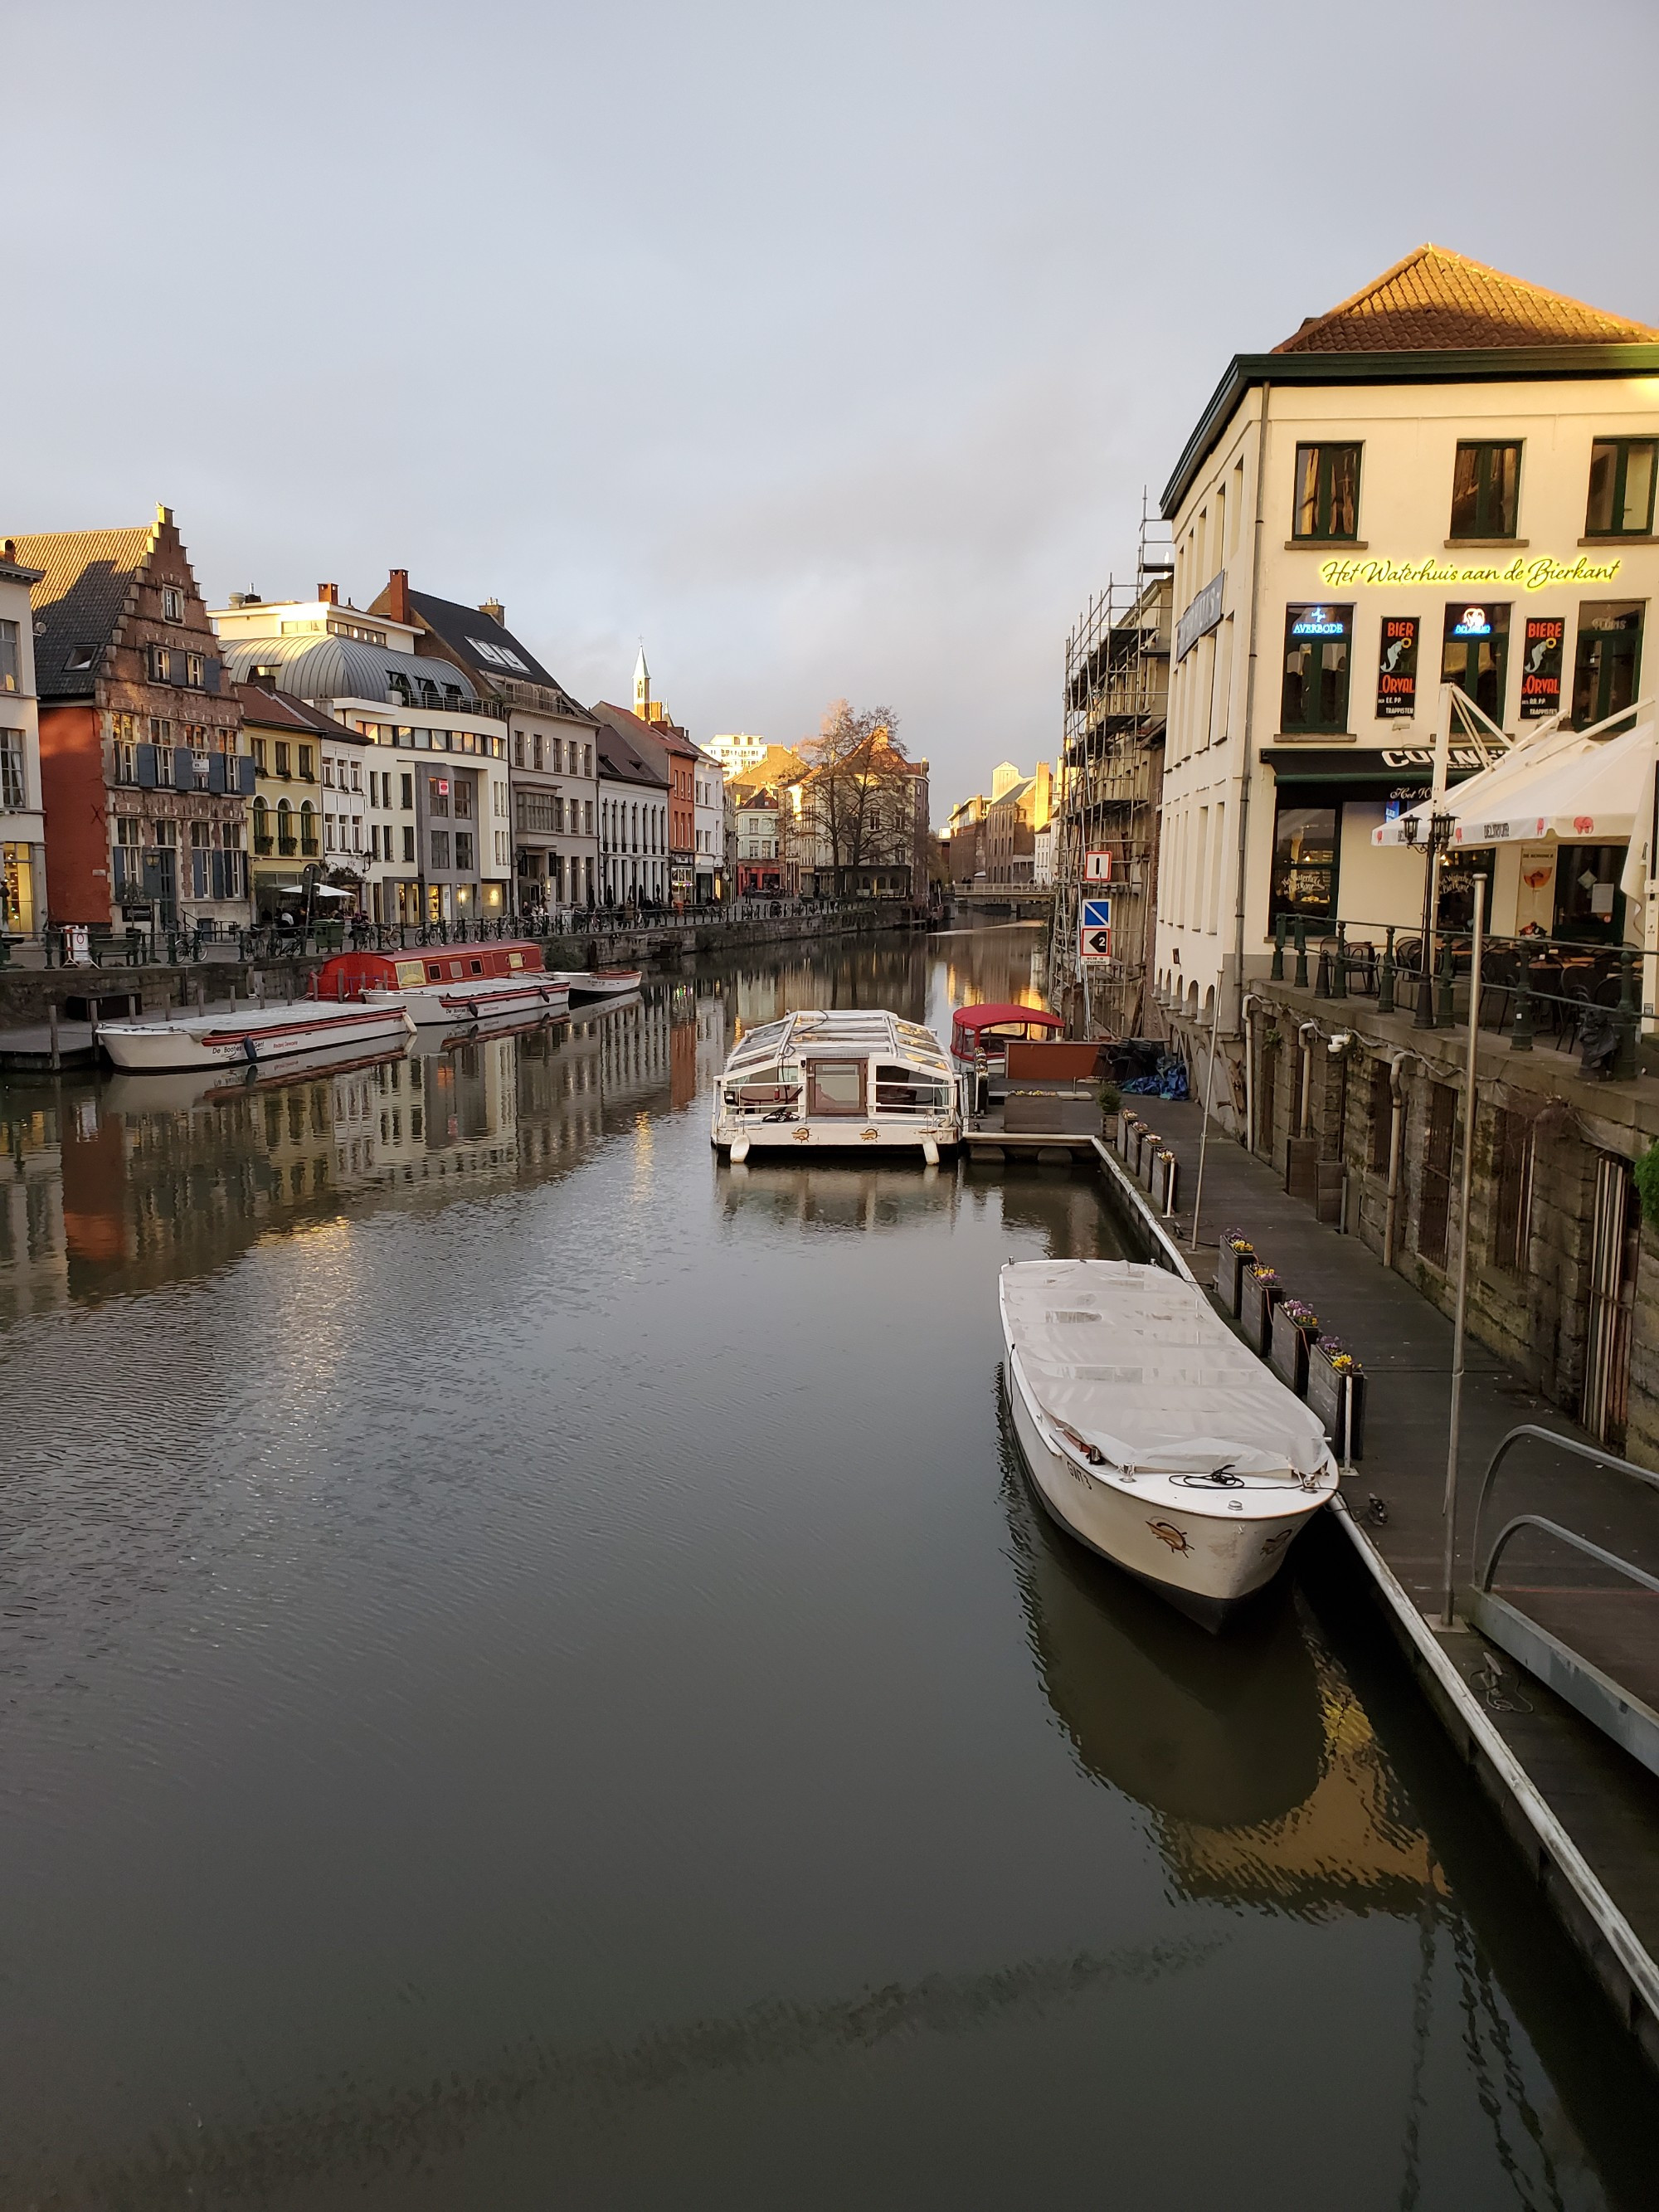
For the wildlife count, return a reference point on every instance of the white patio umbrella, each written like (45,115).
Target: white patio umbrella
(1572,784)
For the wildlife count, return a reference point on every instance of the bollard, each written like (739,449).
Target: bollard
(1301,976)
(1276,973)
(1521,1030)
(1385,974)
(1340,980)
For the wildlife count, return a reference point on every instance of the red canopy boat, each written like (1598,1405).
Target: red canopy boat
(991,1027)
(349,974)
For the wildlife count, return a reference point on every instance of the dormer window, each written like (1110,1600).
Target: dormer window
(80,656)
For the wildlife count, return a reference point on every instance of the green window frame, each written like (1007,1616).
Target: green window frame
(1318,652)
(1622,475)
(1327,492)
(1478,664)
(1486,488)
(1307,845)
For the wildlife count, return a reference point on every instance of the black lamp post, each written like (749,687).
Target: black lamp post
(1431,837)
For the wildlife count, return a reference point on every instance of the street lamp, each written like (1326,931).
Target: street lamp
(1433,836)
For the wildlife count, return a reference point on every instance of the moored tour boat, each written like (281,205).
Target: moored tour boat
(350,975)
(526,998)
(1152,1435)
(253,1035)
(597,983)
(853,1077)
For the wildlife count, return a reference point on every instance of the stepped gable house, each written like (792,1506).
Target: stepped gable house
(145,780)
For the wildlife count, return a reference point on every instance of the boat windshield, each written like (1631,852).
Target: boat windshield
(910,1090)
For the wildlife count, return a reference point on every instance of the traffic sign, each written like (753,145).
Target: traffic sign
(1095,929)
(1097,867)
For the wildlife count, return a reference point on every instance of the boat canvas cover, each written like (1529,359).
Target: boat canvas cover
(1139,1364)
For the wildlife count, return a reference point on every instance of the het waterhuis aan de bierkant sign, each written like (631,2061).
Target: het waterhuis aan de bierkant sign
(1538,573)
(1201,617)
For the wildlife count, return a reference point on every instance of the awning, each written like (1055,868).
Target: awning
(1566,785)
(1382,767)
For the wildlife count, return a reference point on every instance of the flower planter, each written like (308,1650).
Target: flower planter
(1259,1299)
(1328,1385)
(1290,1338)
(1127,1125)
(1230,1261)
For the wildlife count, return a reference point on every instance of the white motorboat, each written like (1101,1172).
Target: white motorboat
(254,1035)
(1151,1432)
(528,998)
(850,1077)
(597,982)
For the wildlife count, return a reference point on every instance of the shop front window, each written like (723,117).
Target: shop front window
(1304,859)
(1475,656)
(1317,654)
(1621,481)
(1589,904)
(1327,492)
(1485,491)
(1608,658)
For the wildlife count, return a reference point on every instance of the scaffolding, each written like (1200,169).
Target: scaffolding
(1111,774)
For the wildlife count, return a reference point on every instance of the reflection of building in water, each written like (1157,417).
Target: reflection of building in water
(1260,1767)
(142,1180)
(33,1257)
(1061,1203)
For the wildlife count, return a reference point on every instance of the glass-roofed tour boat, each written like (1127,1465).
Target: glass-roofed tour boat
(849,1077)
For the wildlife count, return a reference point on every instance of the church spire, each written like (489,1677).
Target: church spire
(641,685)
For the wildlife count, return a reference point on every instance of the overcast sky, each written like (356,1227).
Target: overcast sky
(827,348)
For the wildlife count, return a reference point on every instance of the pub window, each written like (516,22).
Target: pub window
(1316,654)
(1327,491)
(1512,1210)
(1474,654)
(1589,907)
(1621,480)
(1607,659)
(1486,488)
(1304,859)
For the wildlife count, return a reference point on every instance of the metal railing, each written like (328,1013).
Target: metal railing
(1616,1710)
(1587,997)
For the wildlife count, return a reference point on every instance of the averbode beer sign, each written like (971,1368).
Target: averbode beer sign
(1095,929)
(1530,575)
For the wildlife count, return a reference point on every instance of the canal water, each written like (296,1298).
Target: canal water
(531,1676)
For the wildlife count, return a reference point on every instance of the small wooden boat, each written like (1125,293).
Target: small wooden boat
(990,1029)
(597,983)
(856,1077)
(527,998)
(1152,1435)
(255,1035)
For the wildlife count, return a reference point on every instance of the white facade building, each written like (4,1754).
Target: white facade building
(1446,483)
(22,821)
(738,751)
(708,786)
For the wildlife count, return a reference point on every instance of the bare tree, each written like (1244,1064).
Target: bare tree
(860,793)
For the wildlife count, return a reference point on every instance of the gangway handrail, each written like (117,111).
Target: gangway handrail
(1605,1702)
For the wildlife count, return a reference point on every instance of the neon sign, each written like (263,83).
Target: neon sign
(1319,621)
(1474,621)
(1531,575)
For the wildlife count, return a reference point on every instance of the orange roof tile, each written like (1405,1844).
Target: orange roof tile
(1437,302)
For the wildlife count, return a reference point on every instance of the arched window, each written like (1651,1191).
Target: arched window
(261,826)
(286,841)
(308,828)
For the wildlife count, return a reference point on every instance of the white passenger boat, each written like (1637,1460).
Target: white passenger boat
(597,982)
(527,998)
(851,1076)
(1152,1435)
(254,1035)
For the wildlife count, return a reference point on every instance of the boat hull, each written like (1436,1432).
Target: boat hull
(849,1136)
(1207,1565)
(602,982)
(306,1031)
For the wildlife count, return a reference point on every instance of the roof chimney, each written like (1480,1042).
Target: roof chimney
(494,610)
(396,595)
(329,594)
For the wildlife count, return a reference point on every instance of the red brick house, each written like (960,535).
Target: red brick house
(145,780)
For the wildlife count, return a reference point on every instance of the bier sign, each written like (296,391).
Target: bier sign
(1097,867)
(1397,669)
(1540,666)
(1095,929)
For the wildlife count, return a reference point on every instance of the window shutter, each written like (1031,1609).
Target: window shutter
(147,776)
(210,672)
(245,773)
(184,769)
(217,872)
(218,771)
